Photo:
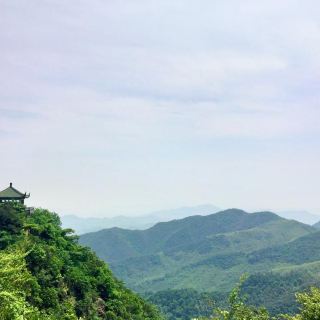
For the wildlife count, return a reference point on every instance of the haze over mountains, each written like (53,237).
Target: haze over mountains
(210,253)
(141,222)
(84,225)
(299,215)
(194,251)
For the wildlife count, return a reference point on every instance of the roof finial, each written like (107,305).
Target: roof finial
(10,184)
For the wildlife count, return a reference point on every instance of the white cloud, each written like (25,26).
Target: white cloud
(135,92)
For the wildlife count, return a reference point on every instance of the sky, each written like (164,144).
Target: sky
(124,107)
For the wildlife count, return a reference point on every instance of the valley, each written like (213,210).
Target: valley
(208,254)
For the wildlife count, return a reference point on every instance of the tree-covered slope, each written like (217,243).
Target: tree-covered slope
(117,244)
(186,304)
(239,309)
(205,253)
(274,291)
(53,277)
(302,250)
(277,290)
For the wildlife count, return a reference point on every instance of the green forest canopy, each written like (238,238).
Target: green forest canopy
(46,274)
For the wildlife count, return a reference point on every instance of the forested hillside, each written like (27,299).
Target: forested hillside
(201,258)
(204,253)
(239,309)
(252,299)
(46,274)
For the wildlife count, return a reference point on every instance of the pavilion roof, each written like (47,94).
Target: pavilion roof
(12,193)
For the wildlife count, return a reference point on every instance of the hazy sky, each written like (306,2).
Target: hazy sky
(118,106)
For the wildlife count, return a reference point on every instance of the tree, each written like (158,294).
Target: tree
(238,310)
(310,306)
(14,283)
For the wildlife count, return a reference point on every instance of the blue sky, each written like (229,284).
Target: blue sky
(123,107)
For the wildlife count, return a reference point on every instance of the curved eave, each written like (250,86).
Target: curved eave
(15,198)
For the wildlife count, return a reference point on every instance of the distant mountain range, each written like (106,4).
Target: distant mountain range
(210,253)
(85,225)
(200,252)
(299,215)
(317,225)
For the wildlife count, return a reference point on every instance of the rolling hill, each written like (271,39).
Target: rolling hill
(206,253)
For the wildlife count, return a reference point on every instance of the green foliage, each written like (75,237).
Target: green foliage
(57,278)
(274,291)
(15,284)
(11,222)
(310,306)
(239,310)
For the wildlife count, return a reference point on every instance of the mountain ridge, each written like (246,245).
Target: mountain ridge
(139,222)
(151,239)
(200,252)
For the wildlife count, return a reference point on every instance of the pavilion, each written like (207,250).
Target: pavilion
(11,194)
